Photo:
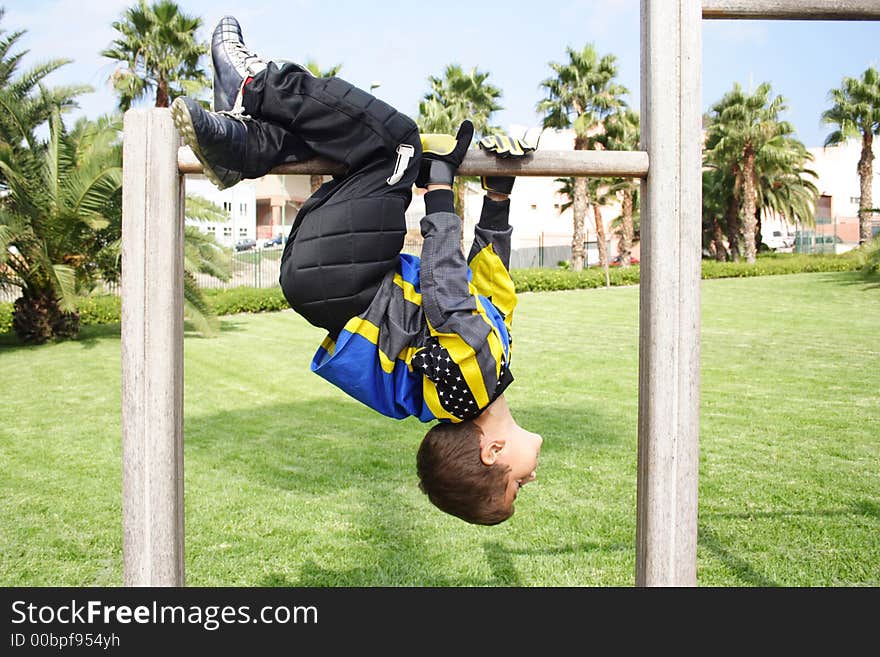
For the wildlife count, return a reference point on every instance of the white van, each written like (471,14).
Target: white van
(777,240)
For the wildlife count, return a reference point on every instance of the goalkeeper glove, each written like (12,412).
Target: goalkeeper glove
(442,155)
(504,147)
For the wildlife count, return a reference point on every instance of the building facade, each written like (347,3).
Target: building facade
(238,202)
(266,208)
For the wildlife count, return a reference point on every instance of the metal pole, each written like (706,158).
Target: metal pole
(669,314)
(152,351)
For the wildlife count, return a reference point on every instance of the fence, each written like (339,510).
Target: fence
(261,267)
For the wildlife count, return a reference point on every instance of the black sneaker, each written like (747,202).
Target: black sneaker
(217,140)
(233,64)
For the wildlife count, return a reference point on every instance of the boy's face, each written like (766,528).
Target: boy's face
(507,443)
(521,455)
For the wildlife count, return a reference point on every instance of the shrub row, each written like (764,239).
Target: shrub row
(775,264)
(106,309)
(546,280)
(543,280)
(246,300)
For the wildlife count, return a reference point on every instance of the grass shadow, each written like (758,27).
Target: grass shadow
(89,337)
(738,566)
(337,446)
(847,279)
(500,557)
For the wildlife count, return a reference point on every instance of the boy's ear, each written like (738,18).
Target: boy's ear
(490,448)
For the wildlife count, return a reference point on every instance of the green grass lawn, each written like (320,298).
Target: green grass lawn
(289,482)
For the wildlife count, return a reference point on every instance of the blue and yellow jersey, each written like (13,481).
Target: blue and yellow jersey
(435,342)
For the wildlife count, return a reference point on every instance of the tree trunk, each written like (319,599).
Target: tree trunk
(759,237)
(600,236)
(866,175)
(458,189)
(626,228)
(718,242)
(733,229)
(162,93)
(579,212)
(36,319)
(748,205)
(315,182)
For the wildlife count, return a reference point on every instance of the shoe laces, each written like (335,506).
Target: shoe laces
(242,57)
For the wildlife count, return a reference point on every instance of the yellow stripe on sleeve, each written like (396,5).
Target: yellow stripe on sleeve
(464,356)
(370,331)
(328,345)
(496,346)
(492,280)
(432,400)
(409,291)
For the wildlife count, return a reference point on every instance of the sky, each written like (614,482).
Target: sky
(399,45)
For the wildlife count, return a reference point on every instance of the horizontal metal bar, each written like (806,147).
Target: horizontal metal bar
(808,10)
(620,164)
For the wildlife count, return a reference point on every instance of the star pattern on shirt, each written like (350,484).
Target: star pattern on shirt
(436,364)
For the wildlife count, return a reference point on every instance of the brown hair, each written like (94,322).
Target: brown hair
(455,479)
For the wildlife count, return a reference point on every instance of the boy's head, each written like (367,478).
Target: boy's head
(473,469)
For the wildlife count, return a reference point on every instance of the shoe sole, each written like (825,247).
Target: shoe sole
(182,119)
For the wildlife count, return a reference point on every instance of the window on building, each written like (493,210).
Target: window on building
(556,206)
(212,230)
(823,210)
(534,206)
(227,231)
(855,199)
(227,206)
(242,232)
(242,208)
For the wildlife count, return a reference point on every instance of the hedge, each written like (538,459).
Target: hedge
(106,309)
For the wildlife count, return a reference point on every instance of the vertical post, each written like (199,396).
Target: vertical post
(152,351)
(669,316)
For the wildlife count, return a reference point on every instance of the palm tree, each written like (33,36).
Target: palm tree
(316,180)
(856,113)
(25,103)
(622,134)
(600,192)
(457,96)
(784,184)
(743,128)
(157,52)
(581,95)
(57,201)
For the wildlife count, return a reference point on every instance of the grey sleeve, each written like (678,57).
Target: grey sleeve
(448,304)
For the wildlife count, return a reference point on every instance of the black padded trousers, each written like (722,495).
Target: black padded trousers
(349,234)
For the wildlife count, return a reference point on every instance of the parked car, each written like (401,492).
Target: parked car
(274,241)
(615,261)
(777,241)
(245,244)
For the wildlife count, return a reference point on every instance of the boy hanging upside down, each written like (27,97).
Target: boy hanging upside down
(428,337)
